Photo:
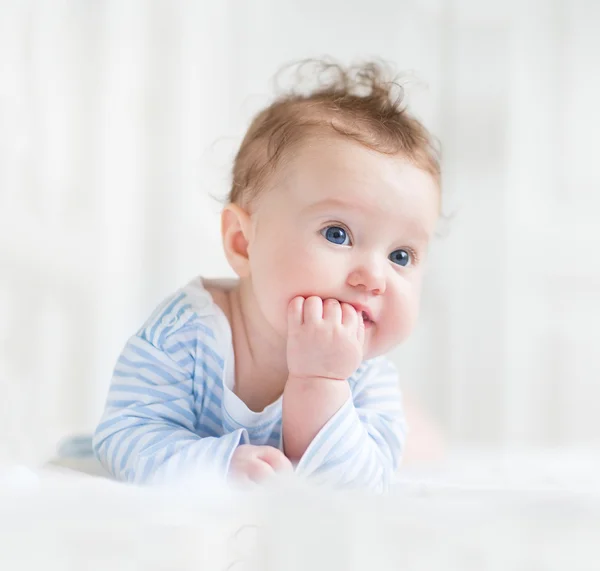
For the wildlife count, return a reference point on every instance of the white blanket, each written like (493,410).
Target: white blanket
(530,511)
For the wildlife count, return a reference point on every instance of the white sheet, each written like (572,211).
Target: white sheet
(526,510)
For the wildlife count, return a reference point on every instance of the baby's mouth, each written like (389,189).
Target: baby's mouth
(366,320)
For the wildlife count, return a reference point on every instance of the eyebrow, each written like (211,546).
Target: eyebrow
(337,203)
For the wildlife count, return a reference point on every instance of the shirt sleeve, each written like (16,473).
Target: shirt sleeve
(147,432)
(361,445)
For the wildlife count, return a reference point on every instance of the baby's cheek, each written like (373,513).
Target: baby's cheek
(282,288)
(411,312)
(405,314)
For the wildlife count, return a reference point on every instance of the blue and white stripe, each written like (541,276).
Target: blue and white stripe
(170,410)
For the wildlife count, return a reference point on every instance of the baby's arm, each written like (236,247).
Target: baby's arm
(150,429)
(347,439)
(362,444)
(324,348)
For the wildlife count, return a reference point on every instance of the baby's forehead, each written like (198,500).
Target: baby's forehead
(328,156)
(348,171)
(325,180)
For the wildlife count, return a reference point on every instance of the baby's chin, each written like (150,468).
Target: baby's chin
(374,347)
(371,353)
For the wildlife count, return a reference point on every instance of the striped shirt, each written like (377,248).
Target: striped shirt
(171,409)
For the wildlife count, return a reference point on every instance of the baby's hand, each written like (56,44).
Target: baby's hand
(257,463)
(325,338)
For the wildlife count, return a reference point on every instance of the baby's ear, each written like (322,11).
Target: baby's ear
(236,230)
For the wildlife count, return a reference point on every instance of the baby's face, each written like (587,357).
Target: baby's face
(347,223)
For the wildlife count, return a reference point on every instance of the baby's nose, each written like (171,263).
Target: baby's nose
(368,277)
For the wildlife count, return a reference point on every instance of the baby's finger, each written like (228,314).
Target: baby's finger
(332,311)
(313,309)
(258,470)
(295,311)
(350,317)
(276,459)
(360,330)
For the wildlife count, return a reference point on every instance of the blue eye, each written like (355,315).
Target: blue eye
(336,235)
(400,257)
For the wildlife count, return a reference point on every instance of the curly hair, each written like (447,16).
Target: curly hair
(364,102)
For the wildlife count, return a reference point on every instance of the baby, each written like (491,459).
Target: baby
(335,196)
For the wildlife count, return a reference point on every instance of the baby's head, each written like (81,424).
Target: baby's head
(336,193)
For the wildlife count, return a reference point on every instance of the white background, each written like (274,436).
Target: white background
(119,118)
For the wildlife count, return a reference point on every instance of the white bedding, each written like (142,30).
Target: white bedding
(530,511)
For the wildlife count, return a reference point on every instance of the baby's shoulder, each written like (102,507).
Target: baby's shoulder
(190,311)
